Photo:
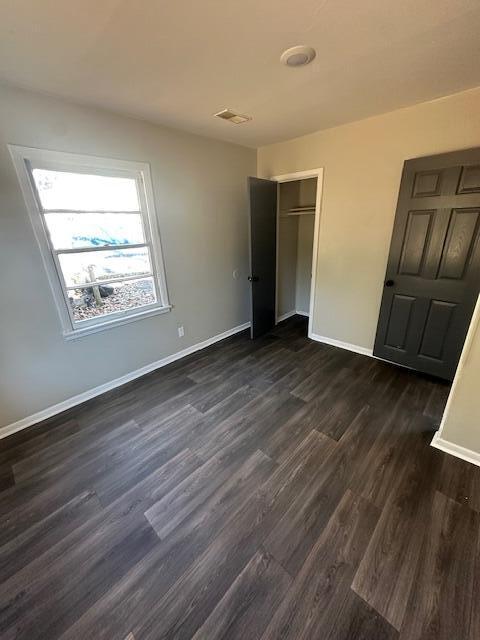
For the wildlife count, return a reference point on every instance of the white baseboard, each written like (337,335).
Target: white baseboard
(455,450)
(118,382)
(289,314)
(302,313)
(285,316)
(342,345)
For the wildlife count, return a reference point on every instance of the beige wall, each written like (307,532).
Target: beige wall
(363,163)
(461,421)
(200,194)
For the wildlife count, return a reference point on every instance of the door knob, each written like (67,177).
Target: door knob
(389,283)
(253,278)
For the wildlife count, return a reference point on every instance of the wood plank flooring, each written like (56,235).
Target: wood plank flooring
(269,490)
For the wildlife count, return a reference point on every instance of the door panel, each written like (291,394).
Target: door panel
(415,242)
(400,317)
(433,271)
(427,183)
(263,254)
(459,243)
(470,180)
(436,329)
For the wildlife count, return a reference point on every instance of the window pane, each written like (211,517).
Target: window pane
(84,192)
(72,230)
(79,268)
(121,296)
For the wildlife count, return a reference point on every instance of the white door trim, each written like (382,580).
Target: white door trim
(438,441)
(302,175)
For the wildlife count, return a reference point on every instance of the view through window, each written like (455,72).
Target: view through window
(97,236)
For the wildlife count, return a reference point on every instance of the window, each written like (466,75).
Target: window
(95,224)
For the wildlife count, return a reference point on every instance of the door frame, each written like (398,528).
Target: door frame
(291,177)
(437,441)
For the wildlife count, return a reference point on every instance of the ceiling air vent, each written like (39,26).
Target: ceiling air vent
(231,116)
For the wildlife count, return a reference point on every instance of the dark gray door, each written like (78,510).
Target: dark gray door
(263,250)
(433,272)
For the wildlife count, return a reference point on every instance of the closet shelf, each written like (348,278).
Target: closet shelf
(298,211)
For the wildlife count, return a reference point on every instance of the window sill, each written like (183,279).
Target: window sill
(103,326)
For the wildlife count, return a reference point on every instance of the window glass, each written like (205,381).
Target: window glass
(95,227)
(74,230)
(91,302)
(88,266)
(65,191)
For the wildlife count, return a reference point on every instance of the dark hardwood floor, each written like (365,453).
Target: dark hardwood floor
(268,490)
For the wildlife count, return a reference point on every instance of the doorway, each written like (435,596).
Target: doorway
(298,216)
(283,237)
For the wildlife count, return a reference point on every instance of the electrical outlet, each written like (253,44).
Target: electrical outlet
(181,332)
(236,274)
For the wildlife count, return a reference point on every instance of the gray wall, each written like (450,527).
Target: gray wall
(304,262)
(287,265)
(200,194)
(295,248)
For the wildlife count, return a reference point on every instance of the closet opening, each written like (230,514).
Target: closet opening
(284,227)
(298,206)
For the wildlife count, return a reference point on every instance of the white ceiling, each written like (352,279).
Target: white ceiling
(178,62)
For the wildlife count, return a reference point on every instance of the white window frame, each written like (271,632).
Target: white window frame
(25,160)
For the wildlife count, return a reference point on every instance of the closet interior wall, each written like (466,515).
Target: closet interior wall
(296,219)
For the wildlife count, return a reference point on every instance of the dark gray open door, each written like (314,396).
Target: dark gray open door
(263,248)
(433,272)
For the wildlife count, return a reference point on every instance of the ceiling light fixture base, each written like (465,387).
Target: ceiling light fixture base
(298,56)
